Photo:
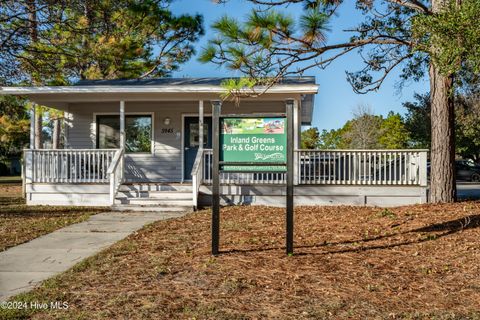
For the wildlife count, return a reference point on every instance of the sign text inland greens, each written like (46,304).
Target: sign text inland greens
(253,140)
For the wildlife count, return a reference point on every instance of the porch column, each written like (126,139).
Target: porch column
(67,124)
(122,124)
(27,168)
(296,140)
(32,126)
(200,124)
(122,138)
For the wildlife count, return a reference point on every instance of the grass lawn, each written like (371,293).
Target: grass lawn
(20,223)
(415,262)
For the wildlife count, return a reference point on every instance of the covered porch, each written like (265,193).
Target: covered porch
(355,177)
(135,141)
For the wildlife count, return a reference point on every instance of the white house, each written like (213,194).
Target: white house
(136,144)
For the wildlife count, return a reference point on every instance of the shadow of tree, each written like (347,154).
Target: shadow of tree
(445,229)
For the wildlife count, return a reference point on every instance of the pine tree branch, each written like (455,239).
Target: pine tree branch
(412,4)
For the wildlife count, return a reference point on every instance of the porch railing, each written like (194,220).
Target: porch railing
(116,173)
(69,166)
(362,167)
(339,167)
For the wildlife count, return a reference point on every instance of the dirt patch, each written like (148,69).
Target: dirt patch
(10,190)
(413,262)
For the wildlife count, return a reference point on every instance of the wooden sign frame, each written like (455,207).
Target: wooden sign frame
(289,218)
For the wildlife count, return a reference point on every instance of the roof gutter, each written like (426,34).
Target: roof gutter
(299,89)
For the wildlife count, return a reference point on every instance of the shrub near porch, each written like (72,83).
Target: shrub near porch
(412,262)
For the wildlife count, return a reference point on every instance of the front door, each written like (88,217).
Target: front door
(191,142)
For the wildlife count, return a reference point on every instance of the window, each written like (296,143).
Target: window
(138,132)
(195,136)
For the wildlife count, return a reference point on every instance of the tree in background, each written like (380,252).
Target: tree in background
(333,139)
(418,122)
(14,127)
(467,122)
(418,36)
(310,139)
(58,42)
(365,131)
(393,132)
(467,125)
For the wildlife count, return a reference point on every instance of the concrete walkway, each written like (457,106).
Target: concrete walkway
(24,266)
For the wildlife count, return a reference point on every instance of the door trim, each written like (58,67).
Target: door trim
(182,137)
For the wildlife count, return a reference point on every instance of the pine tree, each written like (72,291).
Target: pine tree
(417,36)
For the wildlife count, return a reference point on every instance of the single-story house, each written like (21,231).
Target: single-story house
(137,144)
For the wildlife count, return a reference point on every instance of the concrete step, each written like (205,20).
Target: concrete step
(158,202)
(173,195)
(152,208)
(155,187)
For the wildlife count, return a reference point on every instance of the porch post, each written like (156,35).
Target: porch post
(27,171)
(122,139)
(296,139)
(122,124)
(32,126)
(200,124)
(67,123)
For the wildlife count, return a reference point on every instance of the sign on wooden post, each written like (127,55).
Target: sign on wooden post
(253,140)
(258,143)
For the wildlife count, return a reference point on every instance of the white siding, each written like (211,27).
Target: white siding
(382,196)
(68,194)
(165,162)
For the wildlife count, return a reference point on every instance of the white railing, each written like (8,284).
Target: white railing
(116,173)
(197,176)
(362,167)
(69,165)
(339,167)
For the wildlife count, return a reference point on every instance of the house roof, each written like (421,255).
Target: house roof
(301,85)
(185,82)
(161,89)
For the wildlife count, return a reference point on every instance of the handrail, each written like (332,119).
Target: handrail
(116,173)
(197,176)
(115,161)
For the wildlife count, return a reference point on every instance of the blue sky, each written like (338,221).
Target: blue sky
(336,100)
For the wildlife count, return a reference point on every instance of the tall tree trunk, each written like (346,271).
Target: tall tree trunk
(32,14)
(33,28)
(56,134)
(442,182)
(38,128)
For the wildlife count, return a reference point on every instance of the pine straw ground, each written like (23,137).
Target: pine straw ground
(20,223)
(412,262)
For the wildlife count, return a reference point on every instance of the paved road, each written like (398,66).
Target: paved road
(468,190)
(24,266)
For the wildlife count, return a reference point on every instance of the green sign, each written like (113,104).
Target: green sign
(253,140)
